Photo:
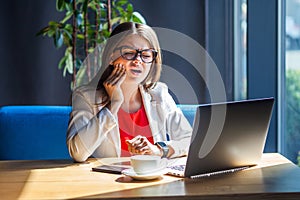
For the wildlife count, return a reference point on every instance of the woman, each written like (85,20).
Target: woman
(129,112)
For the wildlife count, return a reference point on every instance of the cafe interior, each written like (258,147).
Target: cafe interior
(248,49)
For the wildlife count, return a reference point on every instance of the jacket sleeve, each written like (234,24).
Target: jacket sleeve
(88,126)
(178,129)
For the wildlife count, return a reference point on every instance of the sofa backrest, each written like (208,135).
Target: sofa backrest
(189,111)
(33,132)
(39,132)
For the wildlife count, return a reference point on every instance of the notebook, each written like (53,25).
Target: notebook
(227,137)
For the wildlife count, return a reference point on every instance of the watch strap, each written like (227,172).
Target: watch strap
(164,147)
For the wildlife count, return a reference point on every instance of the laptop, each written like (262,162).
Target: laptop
(227,137)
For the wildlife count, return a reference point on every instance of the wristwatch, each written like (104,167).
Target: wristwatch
(164,147)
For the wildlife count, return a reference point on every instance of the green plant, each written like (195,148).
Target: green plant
(292,133)
(85,24)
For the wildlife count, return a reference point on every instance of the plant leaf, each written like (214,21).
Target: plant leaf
(60,5)
(43,31)
(69,7)
(62,62)
(129,8)
(52,23)
(85,6)
(51,32)
(67,33)
(79,18)
(58,39)
(80,36)
(137,17)
(121,2)
(69,64)
(67,17)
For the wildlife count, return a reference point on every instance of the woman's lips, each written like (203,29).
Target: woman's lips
(135,71)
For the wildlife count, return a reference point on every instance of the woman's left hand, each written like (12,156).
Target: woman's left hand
(141,145)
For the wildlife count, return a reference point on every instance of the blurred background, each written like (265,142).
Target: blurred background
(255,45)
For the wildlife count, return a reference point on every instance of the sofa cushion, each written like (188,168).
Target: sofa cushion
(33,132)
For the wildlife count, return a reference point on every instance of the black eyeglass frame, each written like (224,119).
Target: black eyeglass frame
(138,52)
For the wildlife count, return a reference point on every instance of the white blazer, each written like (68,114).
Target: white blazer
(94,131)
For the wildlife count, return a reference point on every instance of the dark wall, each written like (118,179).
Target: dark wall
(29,72)
(188,18)
(183,16)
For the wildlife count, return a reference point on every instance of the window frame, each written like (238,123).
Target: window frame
(264,57)
(263,61)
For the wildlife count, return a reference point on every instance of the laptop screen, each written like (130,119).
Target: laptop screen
(228,135)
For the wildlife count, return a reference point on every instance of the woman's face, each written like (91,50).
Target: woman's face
(136,69)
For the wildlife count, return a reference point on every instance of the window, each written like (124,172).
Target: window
(291,87)
(240,49)
(266,49)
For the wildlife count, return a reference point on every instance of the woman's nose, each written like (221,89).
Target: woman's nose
(138,59)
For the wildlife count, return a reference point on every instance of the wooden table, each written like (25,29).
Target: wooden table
(274,178)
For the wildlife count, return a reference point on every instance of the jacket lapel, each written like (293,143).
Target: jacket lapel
(153,108)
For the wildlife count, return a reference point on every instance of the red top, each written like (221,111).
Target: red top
(131,125)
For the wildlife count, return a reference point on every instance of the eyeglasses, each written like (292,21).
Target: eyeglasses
(129,53)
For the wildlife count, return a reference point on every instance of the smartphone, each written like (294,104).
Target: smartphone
(112,169)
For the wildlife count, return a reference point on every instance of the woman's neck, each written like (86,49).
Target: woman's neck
(132,98)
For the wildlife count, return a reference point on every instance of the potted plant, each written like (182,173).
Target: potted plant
(85,24)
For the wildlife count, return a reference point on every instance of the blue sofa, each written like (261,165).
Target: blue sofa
(39,132)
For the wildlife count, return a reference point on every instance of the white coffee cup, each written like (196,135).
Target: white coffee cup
(147,164)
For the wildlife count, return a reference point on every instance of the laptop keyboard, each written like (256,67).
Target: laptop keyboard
(177,167)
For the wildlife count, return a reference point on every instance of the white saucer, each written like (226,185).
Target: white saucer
(130,172)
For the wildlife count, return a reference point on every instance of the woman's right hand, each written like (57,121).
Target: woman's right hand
(112,86)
